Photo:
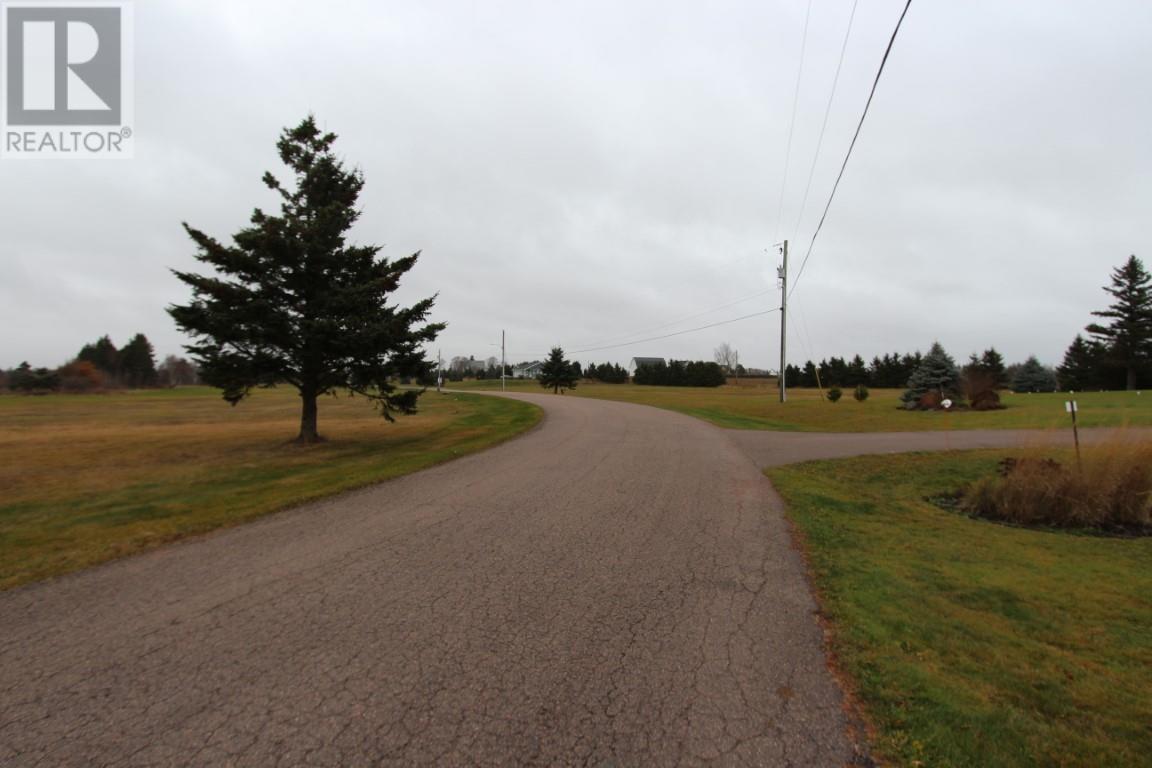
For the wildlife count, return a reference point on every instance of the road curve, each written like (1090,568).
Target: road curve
(615,588)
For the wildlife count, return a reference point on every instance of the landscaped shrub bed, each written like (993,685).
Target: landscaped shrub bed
(1109,489)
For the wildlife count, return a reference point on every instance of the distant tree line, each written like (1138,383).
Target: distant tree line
(1116,355)
(681,373)
(917,372)
(609,373)
(101,365)
(890,371)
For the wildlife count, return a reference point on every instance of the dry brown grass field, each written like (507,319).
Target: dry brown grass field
(86,478)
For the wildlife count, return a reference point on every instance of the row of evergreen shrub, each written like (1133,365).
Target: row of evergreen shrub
(681,373)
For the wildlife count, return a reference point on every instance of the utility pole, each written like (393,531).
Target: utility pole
(782,273)
(502,368)
(439,369)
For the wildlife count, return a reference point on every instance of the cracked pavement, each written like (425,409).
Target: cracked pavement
(617,587)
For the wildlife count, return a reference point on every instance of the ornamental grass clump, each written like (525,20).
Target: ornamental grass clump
(1111,489)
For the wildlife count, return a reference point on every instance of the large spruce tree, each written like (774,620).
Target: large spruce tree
(102,354)
(1032,376)
(1081,368)
(1128,337)
(935,372)
(292,303)
(557,372)
(138,363)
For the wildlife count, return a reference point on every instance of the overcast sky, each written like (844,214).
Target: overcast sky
(590,173)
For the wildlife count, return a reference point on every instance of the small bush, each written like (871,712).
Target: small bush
(80,376)
(835,394)
(979,388)
(988,400)
(1112,490)
(931,400)
(860,393)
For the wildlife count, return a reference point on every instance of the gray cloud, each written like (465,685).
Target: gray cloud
(575,173)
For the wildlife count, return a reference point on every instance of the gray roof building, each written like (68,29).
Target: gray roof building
(636,362)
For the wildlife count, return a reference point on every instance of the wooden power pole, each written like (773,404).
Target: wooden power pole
(782,273)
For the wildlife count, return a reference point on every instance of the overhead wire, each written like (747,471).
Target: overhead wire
(827,112)
(678,333)
(851,146)
(792,121)
(686,318)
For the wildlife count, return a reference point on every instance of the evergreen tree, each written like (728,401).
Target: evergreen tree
(1034,377)
(21,378)
(808,376)
(857,372)
(992,363)
(1081,369)
(138,363)
(937,372)
(557,372)
(1128,338)
(837,373)
(102,354)
(293,303)
(28,379)
(876,372)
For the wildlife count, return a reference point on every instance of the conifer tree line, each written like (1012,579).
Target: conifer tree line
(608,373)
(102,365)
(1117,354)
(681,373)
(892,371)
(914,371)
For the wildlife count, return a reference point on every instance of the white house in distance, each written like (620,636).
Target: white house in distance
(527,370)
(636,362)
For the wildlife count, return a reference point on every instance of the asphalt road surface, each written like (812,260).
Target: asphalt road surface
(615,588)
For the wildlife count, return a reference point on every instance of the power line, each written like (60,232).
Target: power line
(827,112)
(677,333)
(792,122)
(733,303)
(855,136)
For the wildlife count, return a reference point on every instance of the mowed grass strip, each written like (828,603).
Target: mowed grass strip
(972,643)
(84,479)
(756,406)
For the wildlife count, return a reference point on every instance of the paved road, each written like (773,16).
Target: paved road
(616,588)
(773,449)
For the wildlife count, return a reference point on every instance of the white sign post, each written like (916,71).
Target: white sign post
(1071,407)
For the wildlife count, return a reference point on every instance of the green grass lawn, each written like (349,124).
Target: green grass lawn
(972,643)
(87,478)
(747,406)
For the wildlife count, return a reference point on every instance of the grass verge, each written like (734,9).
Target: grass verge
(89,478)
(757,407)
(972,643)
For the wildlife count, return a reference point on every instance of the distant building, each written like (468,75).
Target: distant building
(527,370)
(636,362)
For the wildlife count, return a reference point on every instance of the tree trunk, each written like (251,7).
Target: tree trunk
(1131,377)
(308,418)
